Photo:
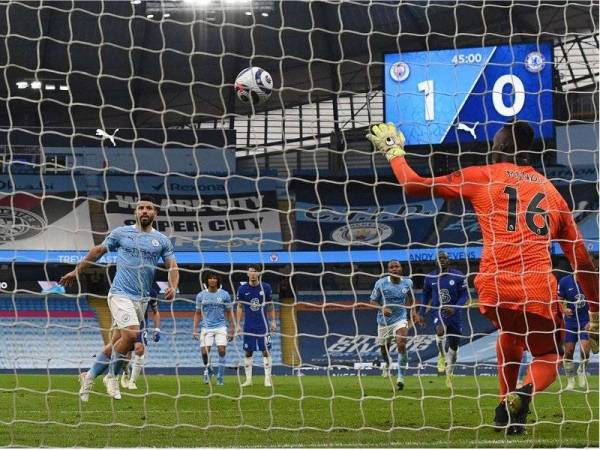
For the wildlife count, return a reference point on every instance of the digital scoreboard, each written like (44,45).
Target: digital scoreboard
(466,94)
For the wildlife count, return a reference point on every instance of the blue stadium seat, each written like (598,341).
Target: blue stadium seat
(40,343)
(35,343)
(177,348)
(22,302)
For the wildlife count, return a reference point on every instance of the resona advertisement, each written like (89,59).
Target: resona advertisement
(333,216)
(203,214)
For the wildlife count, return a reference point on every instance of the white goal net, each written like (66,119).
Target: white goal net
(104,103)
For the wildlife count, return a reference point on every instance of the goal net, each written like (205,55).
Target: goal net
(108,102)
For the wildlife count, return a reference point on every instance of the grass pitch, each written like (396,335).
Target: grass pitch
(170,411)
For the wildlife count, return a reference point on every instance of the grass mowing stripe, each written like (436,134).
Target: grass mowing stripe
(182,411)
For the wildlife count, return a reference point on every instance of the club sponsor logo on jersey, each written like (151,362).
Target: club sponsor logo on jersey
(445,296)
(535,62)
(16,223)
(362,233)
(254,304)
(580,301)
(399,71)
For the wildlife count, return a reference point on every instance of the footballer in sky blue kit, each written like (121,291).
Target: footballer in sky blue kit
(393,297)
(445,291)
(254,302)
(576,316)
(139,249)
(215,309)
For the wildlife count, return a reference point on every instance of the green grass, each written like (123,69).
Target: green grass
(40,410)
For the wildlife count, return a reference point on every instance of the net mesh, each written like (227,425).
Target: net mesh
(103,102)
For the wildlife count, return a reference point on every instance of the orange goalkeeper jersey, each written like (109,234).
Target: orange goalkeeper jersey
(519,212)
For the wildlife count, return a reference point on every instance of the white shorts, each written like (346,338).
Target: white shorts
(213,335)
(125,312)
(387,333)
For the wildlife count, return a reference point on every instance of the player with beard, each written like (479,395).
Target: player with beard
(139,248)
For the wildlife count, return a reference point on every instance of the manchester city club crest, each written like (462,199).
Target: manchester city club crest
(399,71)
(362,233)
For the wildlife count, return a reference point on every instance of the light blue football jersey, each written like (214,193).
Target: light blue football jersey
(213,306)
(138,254)
(394,296)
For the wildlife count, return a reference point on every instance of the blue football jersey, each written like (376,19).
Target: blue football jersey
(214,305)
(394,296)
(571,291)
(138,254)
(445,289)
(254,299)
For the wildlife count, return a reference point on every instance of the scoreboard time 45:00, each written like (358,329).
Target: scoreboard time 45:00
(447,96)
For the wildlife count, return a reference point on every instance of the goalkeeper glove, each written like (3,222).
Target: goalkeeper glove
(387,140)
(592,329)
(156,335)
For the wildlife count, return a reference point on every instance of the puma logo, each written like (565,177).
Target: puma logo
(470,130)
(105,135)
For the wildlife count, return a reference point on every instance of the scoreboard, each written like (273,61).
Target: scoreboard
(467,94)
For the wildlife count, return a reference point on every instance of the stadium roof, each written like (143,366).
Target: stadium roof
(156,64)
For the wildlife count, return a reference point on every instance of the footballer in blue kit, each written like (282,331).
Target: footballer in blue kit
(215,309)
(139,249)
(445,291)
(254,305)
(392,296)
(576,316)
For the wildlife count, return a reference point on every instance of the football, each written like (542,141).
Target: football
(254,85)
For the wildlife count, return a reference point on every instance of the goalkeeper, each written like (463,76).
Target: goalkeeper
(519,212)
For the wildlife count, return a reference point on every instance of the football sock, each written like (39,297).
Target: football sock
(248,367)
(439,342)
(509,351)
(100,366)
(221,368)
(452,355)
(583,365)
(569,367)
(137,362)
(402,364)
(267,362)
(543,371)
